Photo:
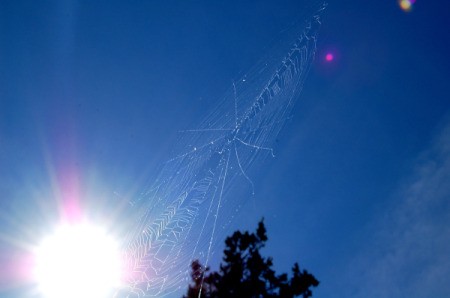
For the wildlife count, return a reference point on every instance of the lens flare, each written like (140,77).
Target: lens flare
(406,5)
(329,57)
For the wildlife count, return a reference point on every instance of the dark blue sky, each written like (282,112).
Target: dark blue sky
(357,193)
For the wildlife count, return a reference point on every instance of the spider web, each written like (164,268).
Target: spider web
(177,220)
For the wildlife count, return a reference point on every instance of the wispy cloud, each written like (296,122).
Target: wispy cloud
(409,255)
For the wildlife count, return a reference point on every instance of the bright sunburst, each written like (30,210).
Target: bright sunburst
(77,261)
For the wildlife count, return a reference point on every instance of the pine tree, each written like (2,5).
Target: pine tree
(244,273)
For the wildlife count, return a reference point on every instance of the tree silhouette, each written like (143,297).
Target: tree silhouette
(244,273)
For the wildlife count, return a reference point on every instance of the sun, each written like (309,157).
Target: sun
(77,261)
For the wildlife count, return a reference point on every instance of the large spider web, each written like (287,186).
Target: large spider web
(178,218)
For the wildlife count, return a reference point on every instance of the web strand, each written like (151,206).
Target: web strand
(179,217)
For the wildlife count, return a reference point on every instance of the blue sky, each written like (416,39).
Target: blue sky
(357,193)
